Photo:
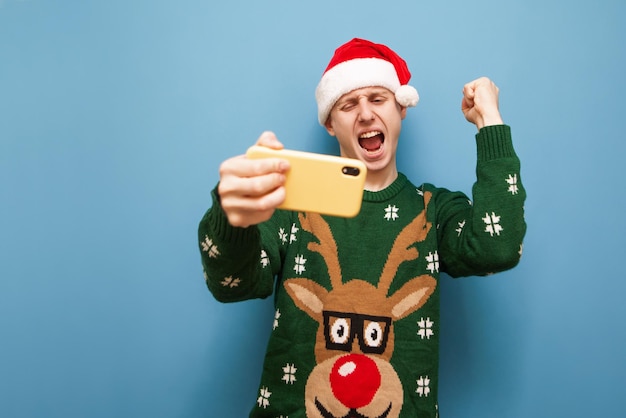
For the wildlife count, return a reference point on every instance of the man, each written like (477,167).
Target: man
(356,328)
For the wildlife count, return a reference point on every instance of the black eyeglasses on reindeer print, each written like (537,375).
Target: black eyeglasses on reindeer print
(340,328)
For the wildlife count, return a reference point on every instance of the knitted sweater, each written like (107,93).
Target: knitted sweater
(356,326)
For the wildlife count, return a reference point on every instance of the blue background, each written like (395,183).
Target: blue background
(115,115)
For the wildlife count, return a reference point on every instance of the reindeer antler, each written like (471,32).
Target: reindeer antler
(327,247)
(402,249)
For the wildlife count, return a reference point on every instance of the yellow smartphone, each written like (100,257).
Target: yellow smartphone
(319,183)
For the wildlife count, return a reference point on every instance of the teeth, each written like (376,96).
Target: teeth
(369,134)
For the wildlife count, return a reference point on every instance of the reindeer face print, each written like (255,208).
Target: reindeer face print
(341,329)
(353,377)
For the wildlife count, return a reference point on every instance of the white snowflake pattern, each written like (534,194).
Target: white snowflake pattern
(391,213)
(282,236)
(426,328)
(433,262)
(512,181)
(265,260)
(423,386)
(294,230)
(460,228)
(276,316)
(264,397)
(230,282)
(290,373)
(210,248)
(300,262)
(493,224)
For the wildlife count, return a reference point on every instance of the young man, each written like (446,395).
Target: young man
(356,329)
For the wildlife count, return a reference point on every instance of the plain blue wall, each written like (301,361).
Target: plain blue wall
(115,115)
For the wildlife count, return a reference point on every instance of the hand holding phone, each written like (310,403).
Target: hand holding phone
(319,183)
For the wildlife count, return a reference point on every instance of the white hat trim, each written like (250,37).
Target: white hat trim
(351,75)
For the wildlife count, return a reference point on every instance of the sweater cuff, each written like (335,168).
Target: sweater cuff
(494,142)
(218,221)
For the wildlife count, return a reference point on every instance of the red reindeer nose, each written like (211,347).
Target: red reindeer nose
(355,379)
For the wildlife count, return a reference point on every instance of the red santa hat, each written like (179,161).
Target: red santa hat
(360,63)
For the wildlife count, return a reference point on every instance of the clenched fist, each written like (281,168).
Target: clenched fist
(480,103)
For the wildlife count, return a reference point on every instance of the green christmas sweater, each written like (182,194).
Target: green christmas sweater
(356,325)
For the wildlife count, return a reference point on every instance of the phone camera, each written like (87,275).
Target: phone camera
(351,171)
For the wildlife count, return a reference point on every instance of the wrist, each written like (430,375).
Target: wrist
(489,120)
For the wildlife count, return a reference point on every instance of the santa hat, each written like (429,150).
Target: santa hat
(360,63)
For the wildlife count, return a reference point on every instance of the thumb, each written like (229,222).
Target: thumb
(268,139)
(467,103)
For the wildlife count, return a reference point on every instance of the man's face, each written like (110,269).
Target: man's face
(367,124)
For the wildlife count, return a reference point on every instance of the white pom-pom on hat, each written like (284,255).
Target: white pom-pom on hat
(360,63)
(407,96)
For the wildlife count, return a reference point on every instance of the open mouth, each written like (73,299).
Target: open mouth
(371,141)
(353,413)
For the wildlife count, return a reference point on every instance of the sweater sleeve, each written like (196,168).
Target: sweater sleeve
(485,235)
(238,263)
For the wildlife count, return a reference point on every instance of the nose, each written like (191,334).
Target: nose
(354,380)
(365,111)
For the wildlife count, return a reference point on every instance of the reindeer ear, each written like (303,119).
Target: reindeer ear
(307,295)
(412,296)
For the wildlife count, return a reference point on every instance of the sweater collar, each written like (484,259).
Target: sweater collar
(388,192)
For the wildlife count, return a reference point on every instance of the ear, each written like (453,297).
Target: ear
(329,126)
(403,112)
(307,295)
(412,296)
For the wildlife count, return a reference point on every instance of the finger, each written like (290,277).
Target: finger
(245,219)
(243,212)
(485,86)
(268,139)
(468,96)
(264,202)
(246,167)
(250,187)
(478,82)
(467,103)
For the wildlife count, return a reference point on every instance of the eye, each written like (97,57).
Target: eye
(347,107)
(373,334)
(378,99)
(340,331)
